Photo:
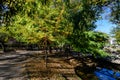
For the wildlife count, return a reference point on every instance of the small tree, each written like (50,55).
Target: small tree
(116,33)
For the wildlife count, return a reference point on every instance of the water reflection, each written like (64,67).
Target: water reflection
(106,74)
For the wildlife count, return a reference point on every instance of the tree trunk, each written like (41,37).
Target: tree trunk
(3,46)
(46,53)
(46,56)
(50,49)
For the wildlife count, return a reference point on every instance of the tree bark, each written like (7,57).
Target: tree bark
(3,46)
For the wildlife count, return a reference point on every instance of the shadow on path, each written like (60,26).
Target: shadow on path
(11,65)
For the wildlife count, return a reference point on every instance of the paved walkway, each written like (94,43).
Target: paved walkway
(59,66)
(11,65)
(12,68)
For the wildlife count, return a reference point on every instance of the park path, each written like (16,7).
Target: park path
(11,65)
(64,67)
(58,68)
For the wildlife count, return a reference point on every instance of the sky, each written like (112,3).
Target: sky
(104,25)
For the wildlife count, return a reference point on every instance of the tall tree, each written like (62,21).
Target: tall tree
(58,21)
(83,19)
(37,19)
(115,11)
(115,17)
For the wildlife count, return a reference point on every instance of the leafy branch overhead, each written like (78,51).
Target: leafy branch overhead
(59,21)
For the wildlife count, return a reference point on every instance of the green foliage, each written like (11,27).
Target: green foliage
(10,8)
(116,32)
(115,11)
(90,42)
(4,35)
(59,21)
(38,20)
(83,16)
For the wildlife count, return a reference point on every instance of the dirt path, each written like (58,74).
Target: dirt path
(61,66)
(26,65)
(58,68)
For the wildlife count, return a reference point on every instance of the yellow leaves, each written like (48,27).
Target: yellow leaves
(60,15)
(51,38)
(117,35)
(58,1)
(30,0)
(37,21)
(40,35)
(100,2)
(3,29)
(32,40)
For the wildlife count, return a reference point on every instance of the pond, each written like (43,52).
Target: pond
(89,70)
(106,74)
(98,73)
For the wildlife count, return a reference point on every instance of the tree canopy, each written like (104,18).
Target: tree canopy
(60,21)
(115,11)
(38,19)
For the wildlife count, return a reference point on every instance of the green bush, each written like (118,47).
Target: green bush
(118,51)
